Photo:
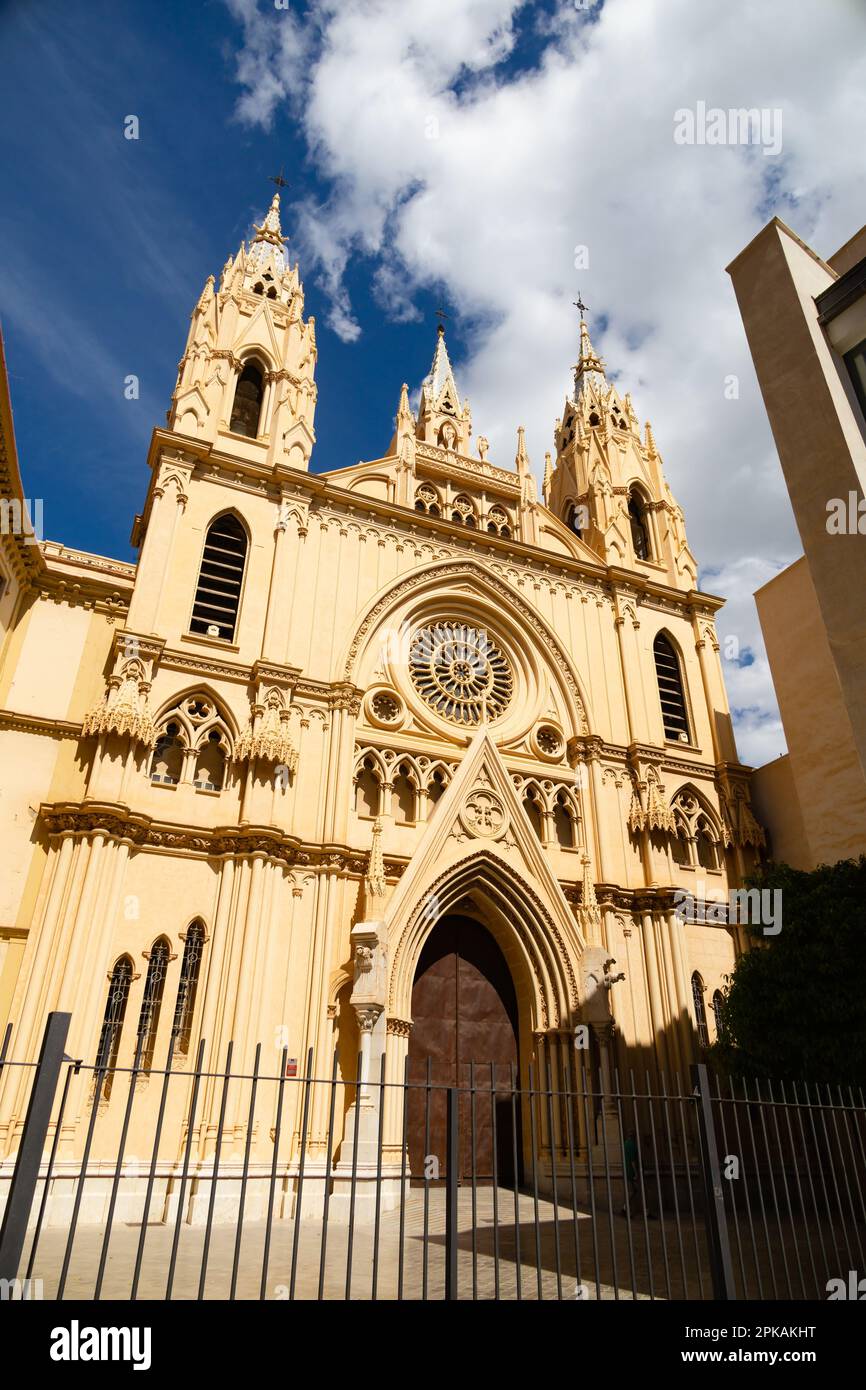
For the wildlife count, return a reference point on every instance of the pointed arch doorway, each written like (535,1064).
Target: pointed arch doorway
(464,1011)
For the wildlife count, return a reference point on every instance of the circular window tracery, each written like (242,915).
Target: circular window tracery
(460,673)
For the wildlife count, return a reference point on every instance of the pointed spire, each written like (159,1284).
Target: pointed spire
(589,365)
(650,442)
(522,459)
(547,483)
(404,418)
(376,883)
(207,293)
(590,912)
(269,235)
(441,372)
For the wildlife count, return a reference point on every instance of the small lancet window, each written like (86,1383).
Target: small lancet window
(563,822)
(167,763)
(367,790)
(249,394)
(210,768)
(151,1003)
(112,1021)
(639,526)
(403,797)
(215,611)
(181,1028)
(700,1011)
(532,807)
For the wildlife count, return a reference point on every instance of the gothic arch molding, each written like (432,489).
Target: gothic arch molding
(488,589)
(541,962)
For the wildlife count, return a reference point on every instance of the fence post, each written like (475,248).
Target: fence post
(716,1217)
(452,1174)
(26,1173)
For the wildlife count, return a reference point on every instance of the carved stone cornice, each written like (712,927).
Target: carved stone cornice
(120,823)
(35,724)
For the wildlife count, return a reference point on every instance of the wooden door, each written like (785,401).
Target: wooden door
(464,1011)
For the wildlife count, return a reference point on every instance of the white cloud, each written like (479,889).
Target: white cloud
(447,168)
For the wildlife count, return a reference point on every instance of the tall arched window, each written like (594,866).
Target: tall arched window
(671,693)
(247,407)
(112,1021)
(640,535)
(181,1028)
(700,1011)
(151,1003)
(218,594)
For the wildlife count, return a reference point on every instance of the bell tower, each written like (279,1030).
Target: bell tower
(607,482)
(442,420)
(246,381)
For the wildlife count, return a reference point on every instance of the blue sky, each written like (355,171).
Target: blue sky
(105,244)
(457,154)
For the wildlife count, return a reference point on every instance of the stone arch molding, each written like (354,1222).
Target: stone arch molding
(501,865)
(477,589)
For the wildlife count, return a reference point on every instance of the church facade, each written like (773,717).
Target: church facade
(393,761)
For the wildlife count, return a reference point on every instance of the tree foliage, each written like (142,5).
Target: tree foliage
(795,1007)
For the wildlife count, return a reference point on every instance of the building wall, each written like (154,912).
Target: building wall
(830,789)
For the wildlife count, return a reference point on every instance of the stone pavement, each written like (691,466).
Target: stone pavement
(547,1266)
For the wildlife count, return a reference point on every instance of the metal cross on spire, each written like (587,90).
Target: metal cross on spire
(441,316)
(278,179)
(579,304)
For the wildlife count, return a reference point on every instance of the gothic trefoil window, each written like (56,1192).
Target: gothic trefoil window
(671,693)
(218,593)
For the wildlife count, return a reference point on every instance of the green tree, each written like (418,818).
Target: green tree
(795,1007)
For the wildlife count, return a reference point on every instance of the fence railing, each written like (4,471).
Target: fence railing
(284,1184)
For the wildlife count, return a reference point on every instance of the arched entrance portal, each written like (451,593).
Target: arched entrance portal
(464,1011)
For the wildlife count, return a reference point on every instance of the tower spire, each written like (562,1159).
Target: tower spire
(589,366)
(269,237)
(441,418)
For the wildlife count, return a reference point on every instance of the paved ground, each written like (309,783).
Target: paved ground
(559,1253)
(558,1234)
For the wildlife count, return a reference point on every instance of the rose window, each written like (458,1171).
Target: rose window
(460,673)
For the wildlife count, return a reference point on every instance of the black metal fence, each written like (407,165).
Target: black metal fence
(281,1185)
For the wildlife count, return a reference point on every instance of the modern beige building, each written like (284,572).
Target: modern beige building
(805,320)
(394,759)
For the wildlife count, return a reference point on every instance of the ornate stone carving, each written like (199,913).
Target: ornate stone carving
(484,814)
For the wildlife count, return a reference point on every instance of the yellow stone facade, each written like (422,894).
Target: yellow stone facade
(438,691)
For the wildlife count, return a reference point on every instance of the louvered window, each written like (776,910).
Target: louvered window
(670,683)
(215,611)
